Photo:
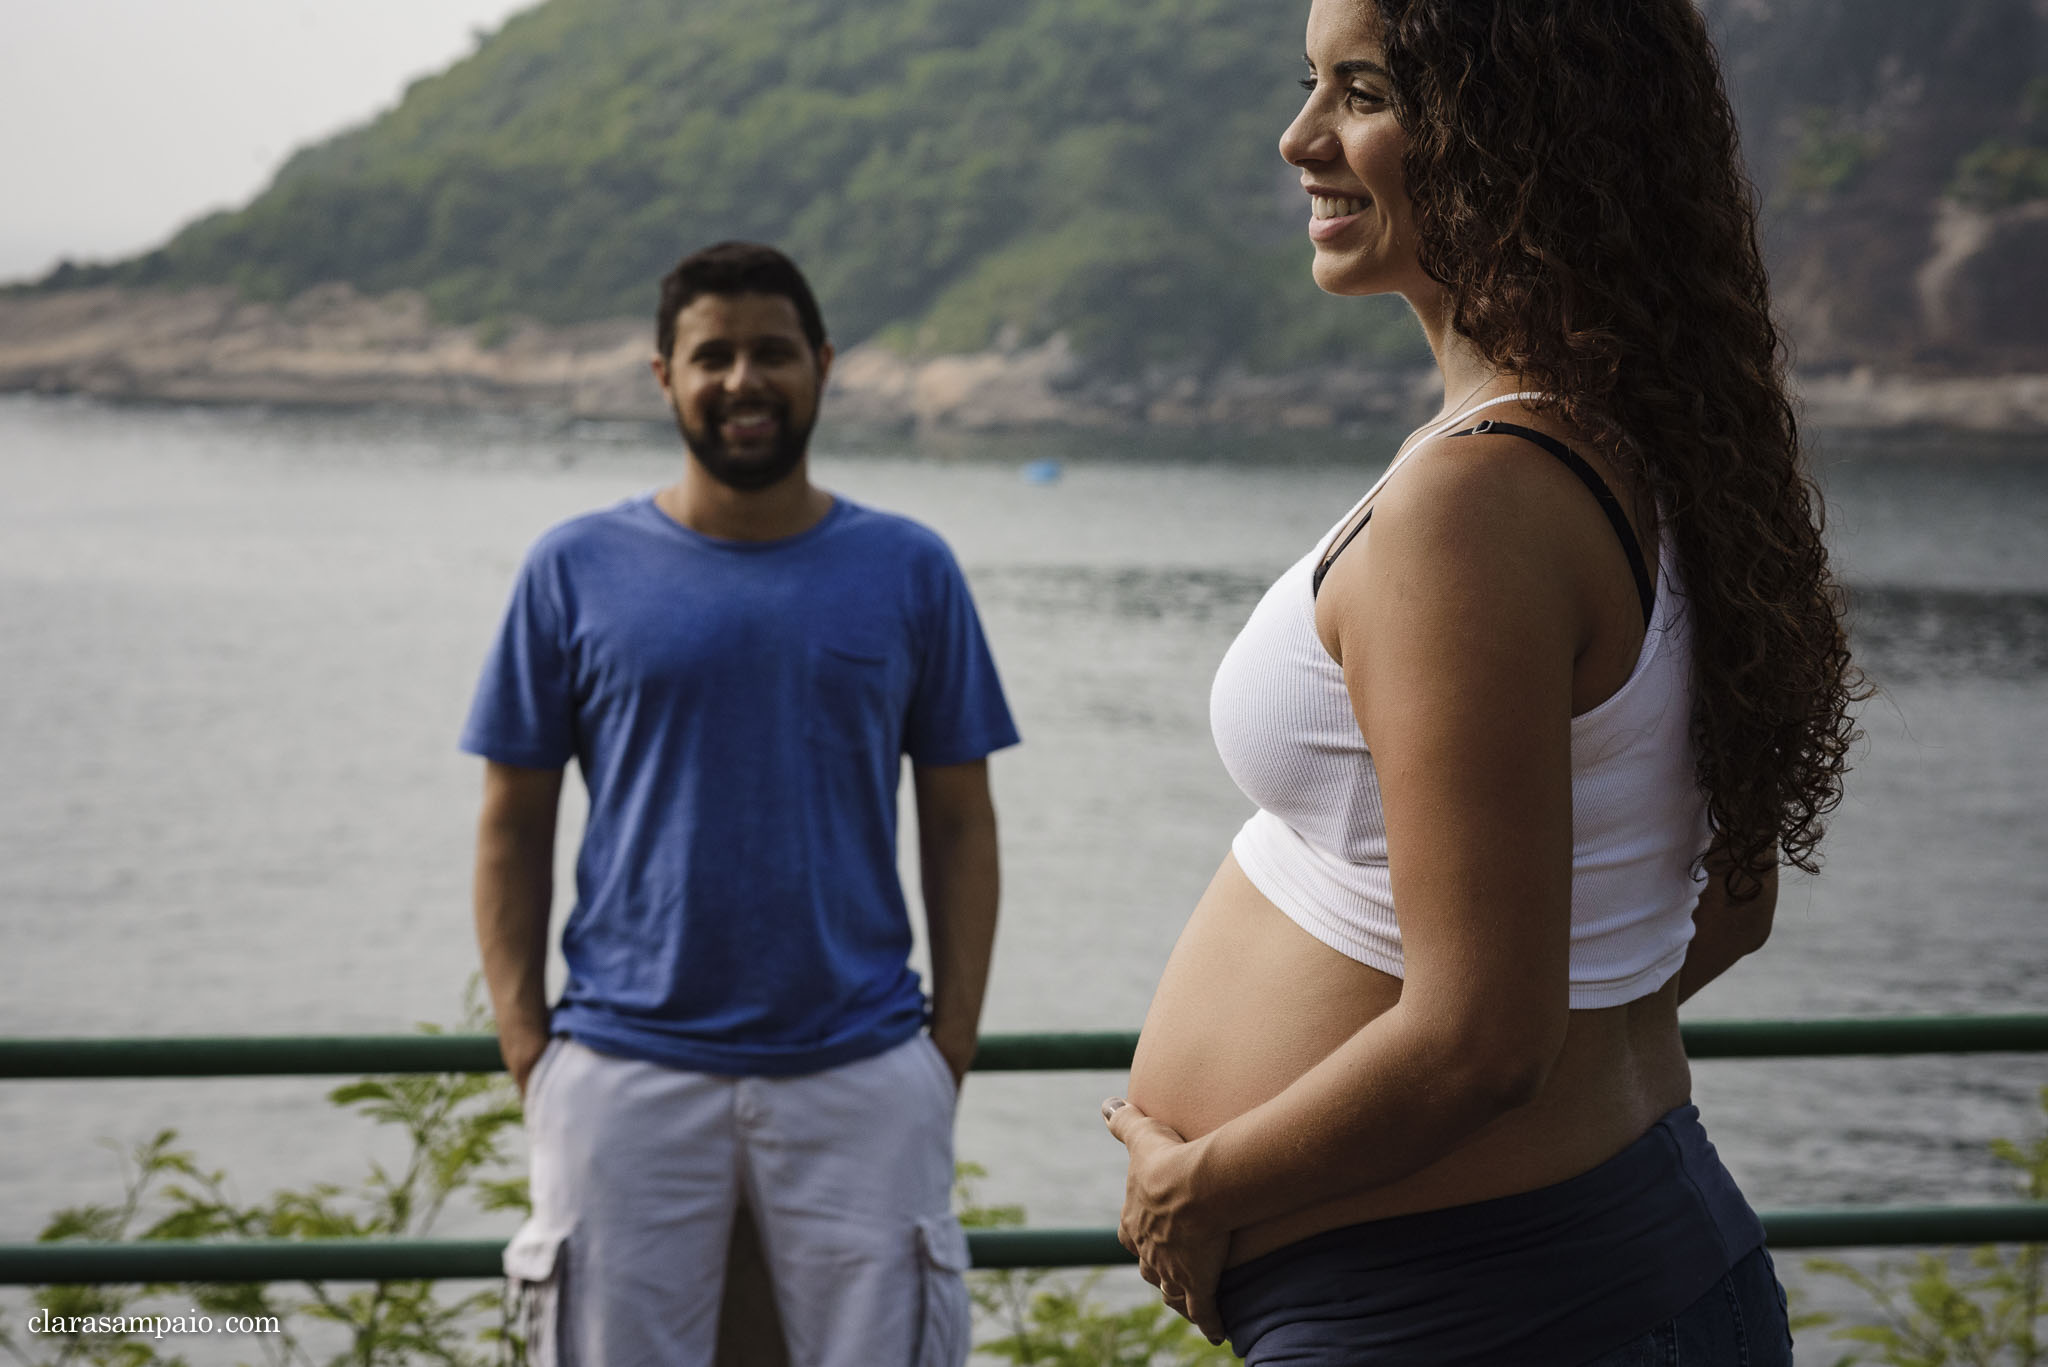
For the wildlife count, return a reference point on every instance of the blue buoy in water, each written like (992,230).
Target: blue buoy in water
(1042,472)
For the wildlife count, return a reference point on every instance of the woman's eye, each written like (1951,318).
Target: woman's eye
(1355,97)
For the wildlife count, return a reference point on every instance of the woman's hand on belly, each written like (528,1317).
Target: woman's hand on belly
(1178,1252)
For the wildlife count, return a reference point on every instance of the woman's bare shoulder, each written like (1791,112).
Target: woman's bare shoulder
(1484,510)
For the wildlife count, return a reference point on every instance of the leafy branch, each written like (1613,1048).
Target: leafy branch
(457,1126)
(1983,1308)
(1053,1319)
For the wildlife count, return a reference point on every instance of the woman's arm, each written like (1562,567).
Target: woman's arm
(1725,927)
(1458,628)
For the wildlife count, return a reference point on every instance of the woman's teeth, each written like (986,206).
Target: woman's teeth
(1322,207)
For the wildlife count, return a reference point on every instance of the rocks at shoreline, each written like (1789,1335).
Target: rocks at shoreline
(328,346)
(1865,400)
(332,346)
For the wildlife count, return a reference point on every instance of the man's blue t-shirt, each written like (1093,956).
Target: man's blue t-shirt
(739,711)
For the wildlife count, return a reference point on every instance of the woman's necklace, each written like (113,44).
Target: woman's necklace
(1450,410)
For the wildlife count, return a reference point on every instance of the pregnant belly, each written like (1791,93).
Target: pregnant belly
(1249,1002)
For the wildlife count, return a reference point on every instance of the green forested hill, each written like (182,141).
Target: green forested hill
(958,172)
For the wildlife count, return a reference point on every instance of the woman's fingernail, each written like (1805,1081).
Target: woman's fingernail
(1112,1106)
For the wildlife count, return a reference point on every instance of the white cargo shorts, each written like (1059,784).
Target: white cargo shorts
(637,1171)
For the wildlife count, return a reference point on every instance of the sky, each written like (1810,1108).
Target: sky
(122,120)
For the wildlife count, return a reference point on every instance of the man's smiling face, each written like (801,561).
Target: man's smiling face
(744,385)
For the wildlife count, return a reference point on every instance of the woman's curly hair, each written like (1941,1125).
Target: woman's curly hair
(1578,191)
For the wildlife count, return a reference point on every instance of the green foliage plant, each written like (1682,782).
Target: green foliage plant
(493,332)
(947,171)
(1998,174)
(2004,171)
(1053,1319)
(1831,155)
(456,1127)
(1985,1308)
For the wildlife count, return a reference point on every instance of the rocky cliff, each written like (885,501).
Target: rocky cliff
(1149,258)
(333,346)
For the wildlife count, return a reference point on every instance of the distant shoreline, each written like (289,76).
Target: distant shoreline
(331,347)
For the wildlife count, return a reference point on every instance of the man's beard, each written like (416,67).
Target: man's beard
(750,472)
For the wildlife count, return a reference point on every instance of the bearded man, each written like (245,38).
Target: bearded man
(738,663)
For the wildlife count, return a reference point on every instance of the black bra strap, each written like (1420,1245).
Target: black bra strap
(1315,584)
(1598,487)
(1572,462)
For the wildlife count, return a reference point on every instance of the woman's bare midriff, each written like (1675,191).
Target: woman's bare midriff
(1250,1001)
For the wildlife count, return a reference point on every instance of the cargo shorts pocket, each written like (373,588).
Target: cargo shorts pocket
(543,1067)
(946,1322)
(942,1070)
(536,1273)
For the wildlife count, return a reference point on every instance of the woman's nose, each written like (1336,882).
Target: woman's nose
(1308,139)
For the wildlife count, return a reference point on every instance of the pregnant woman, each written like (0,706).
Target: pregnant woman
(1530,731)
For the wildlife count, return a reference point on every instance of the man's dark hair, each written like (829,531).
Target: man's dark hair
(731,268)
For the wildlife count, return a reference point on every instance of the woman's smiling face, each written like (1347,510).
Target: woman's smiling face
(1348,146)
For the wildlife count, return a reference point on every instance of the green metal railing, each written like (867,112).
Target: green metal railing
(372,1259)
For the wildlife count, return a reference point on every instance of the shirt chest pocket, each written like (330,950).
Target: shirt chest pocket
(849,697)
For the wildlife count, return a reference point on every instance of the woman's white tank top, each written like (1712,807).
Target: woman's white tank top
(1317,847)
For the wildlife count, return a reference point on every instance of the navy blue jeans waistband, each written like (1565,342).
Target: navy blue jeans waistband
(1556,1275)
